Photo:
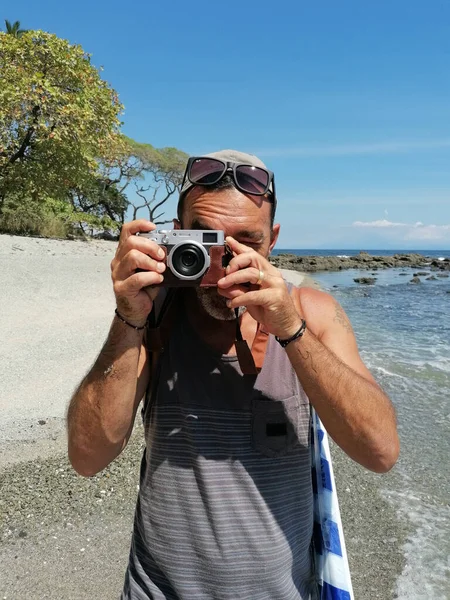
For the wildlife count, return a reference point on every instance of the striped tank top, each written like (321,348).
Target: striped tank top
(225,505)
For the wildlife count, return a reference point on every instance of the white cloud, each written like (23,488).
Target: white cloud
(408,231)
(429,232)
(380,223)
(390,147)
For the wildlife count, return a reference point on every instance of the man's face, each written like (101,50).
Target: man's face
(244,217)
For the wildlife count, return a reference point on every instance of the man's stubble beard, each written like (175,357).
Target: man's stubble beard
(215,305)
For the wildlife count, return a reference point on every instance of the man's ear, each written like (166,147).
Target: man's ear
(274,236)
(176,224)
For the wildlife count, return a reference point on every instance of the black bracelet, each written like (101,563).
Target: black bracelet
(298,334)
(129,324)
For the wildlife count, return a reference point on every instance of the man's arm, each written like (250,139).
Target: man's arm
(353,408)
(102,411)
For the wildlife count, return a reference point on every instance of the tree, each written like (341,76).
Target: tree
(152,174)
(14,29)
(156,175)
(98,205)
(61,151)
(57,117)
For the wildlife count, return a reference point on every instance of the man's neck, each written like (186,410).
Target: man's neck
(220,335)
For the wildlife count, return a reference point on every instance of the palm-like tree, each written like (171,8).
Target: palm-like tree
(14,29)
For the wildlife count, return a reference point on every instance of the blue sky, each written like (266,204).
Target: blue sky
(347,102)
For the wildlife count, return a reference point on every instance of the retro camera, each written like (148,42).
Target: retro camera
(193,257)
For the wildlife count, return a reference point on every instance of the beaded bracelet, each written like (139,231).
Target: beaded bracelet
(127,323)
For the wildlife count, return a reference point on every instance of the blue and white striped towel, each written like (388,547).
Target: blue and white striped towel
(331,568)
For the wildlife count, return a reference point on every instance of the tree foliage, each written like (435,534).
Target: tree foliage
(134,175)
(155,175)
(62,155)
(57,116)
(14,29)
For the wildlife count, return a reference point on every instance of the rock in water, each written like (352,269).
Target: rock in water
(363,260)
(365,280)
(415,280)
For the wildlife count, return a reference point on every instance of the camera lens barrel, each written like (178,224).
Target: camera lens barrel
(188,260)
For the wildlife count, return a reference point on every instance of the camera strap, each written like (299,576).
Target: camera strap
(251,361)
(161,321)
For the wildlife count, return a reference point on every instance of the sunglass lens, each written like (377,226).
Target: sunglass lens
(252,179)
(206,171)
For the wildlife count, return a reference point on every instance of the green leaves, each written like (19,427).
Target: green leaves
(62,156)
(14,29)
(56,113)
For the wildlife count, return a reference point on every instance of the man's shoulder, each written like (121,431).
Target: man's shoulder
(318,307)
(314,297)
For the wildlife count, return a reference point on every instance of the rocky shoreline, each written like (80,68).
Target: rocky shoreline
(362,261)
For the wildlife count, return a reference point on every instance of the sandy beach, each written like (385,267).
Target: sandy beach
(66,537)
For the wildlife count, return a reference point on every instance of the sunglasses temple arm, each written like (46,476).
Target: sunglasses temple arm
(274,195)
(186,171)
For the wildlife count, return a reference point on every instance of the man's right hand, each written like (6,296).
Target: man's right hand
(134,291)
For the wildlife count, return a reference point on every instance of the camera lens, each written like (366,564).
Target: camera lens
(188,260)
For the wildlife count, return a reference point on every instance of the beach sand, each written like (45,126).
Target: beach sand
(67,537)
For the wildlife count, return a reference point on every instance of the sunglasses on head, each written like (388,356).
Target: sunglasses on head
(247,178)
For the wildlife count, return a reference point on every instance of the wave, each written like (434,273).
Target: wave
(426,548)
(389,373)
(440,363)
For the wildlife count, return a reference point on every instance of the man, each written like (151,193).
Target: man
(225,501)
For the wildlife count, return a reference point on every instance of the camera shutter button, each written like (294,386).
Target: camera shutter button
(165,239)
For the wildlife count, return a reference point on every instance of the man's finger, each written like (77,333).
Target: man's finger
(250,275)
(133,227)
(237,246)
(235,291)
(241,261)
(257,298)
(144,245)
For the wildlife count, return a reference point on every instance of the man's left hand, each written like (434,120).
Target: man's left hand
(268,300)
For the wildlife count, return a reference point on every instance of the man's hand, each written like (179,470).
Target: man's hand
(269,302)
(134,291)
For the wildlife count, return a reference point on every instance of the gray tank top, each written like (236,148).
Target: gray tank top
(225,506)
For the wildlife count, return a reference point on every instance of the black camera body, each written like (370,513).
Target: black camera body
(193,257)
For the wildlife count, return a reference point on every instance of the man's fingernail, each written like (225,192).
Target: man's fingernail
(160,252)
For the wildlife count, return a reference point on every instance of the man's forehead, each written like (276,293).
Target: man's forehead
(227,203)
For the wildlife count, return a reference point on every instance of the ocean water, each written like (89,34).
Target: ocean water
(403,333)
